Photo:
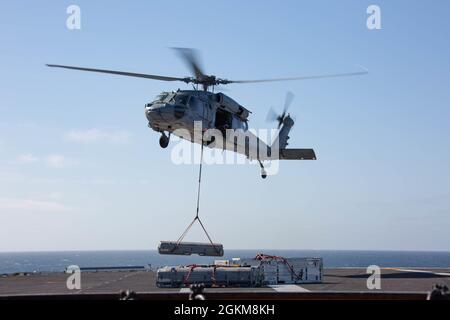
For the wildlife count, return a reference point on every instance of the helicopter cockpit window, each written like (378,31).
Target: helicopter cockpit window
(182,99)
(161,97)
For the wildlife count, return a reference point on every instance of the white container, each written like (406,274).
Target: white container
(221,262)
(276,270)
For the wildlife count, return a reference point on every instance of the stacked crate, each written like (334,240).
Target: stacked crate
(259,271)
(269,272)
(277,270)
(299,270)
(181,276)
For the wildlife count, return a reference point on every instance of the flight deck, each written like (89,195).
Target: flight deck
(338,283)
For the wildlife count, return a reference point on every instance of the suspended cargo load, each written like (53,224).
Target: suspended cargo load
(210,276)
(188,248)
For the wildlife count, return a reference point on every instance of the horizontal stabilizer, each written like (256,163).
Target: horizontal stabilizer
(297,154)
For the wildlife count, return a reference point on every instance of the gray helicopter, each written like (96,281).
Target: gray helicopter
(178,113)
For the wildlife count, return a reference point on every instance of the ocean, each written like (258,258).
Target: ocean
(58,261)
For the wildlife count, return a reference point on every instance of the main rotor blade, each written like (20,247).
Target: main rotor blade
(288,101)
(192,60)
(337,75)
(271,115)
(122,73)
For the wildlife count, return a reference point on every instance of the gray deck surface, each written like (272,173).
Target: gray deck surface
(344,279)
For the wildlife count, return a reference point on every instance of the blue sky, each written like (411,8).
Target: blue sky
(382,179)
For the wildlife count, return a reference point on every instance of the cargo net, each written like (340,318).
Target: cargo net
(217,248)
(265,257)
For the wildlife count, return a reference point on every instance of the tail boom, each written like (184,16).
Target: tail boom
(281,143)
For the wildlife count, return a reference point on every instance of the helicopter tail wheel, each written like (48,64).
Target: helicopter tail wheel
(263,171)
(164,141)
(263,174)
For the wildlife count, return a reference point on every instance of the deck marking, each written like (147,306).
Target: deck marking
(420,271)
(288,288)
(82,290)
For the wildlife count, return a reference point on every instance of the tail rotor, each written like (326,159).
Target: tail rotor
(272,116)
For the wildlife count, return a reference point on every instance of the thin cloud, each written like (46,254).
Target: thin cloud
(59,161)
(51,160)
(32,205)
(27,158)
(55,195)
(11,176)
(97,135)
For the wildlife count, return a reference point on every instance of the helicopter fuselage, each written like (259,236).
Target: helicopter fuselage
(178,112)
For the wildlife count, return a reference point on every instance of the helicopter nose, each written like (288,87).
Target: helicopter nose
(179,111)
(165,113)
(154,114)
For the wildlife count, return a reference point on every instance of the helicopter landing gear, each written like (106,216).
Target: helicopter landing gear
(164,140)
(263,171)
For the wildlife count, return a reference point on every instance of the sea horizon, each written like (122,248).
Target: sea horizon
(232,249)
(58,261)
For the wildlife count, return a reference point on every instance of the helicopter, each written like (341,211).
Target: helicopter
(178,112)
